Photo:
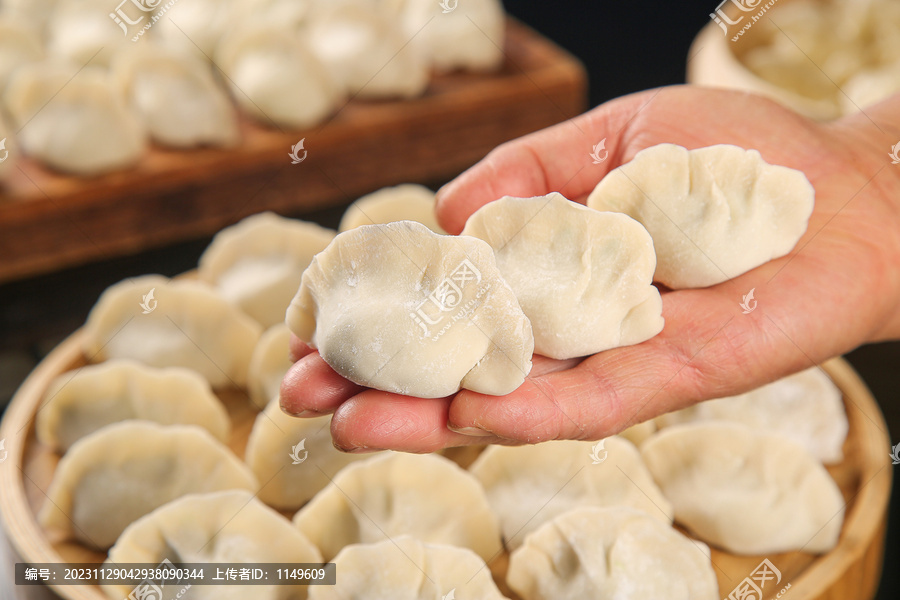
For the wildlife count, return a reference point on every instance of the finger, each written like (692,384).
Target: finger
(298,349)
(554,159)
(311,388)
(375,420)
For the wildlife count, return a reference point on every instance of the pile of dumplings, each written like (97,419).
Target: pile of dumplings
(147,470)
(87,85)
(828,57)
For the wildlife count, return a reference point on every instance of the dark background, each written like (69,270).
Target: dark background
(625,47)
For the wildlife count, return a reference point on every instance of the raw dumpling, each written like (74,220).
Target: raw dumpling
(83,31)
(423,495)
(407,569)
(258,263)
(73,120)
(19,45)
(610,554)
(365,51)
(218,527)
(530,485)
(714,213)
(405,202)
(806,408)
(9,154)
(172,323)
(295,458)
(80,402)
(196,26)
(33,13)
(176,97)
(120,473)
(638,434)
(276,78)
(453,34)
(291,15)
(269,364)
(583,277)
(746,491)
(399,308)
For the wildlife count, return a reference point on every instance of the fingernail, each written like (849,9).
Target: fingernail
(303,414)
(470,431)
(361,450)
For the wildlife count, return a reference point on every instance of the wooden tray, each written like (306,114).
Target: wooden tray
(851,570)
(49,221)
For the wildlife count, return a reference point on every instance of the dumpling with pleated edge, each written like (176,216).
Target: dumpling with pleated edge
(805,407)
(425,496)
(80,402)
(402,309)
(583,277)
(610,554)
(258,263)
(121,472)
(275,77)
(714,213)
(294,457)
(179,102)
(530,485)
(218,527)
(72,120)
(404,568)
(404,202)
(746,491)
(165,322)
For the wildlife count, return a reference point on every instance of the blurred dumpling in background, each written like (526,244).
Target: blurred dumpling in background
(73,120)
(258,263)
(195,27)
(172,323)
(81,31)
(467,36)
(366,52)
(269,363)
(288,14)
(176,96)
(8,149)
(33,12)
(405,202)
(20,44)
(275,77)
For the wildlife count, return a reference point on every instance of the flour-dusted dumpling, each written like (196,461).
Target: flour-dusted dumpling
(746,491)
(80,402)
(73,120)
(275,77)
(405,202)
(258,263)
(20,45)
(120,473)
(453,34)
(366,52)
(530,485)
(714,213)
(270,362)
(425,496)
(399,308)
(806,407)
(407,569)
(611,554)
(294,458)
(172,323)
(217,527)
(583,277)
(176,97)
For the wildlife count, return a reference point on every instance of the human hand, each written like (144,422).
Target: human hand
(837,289)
